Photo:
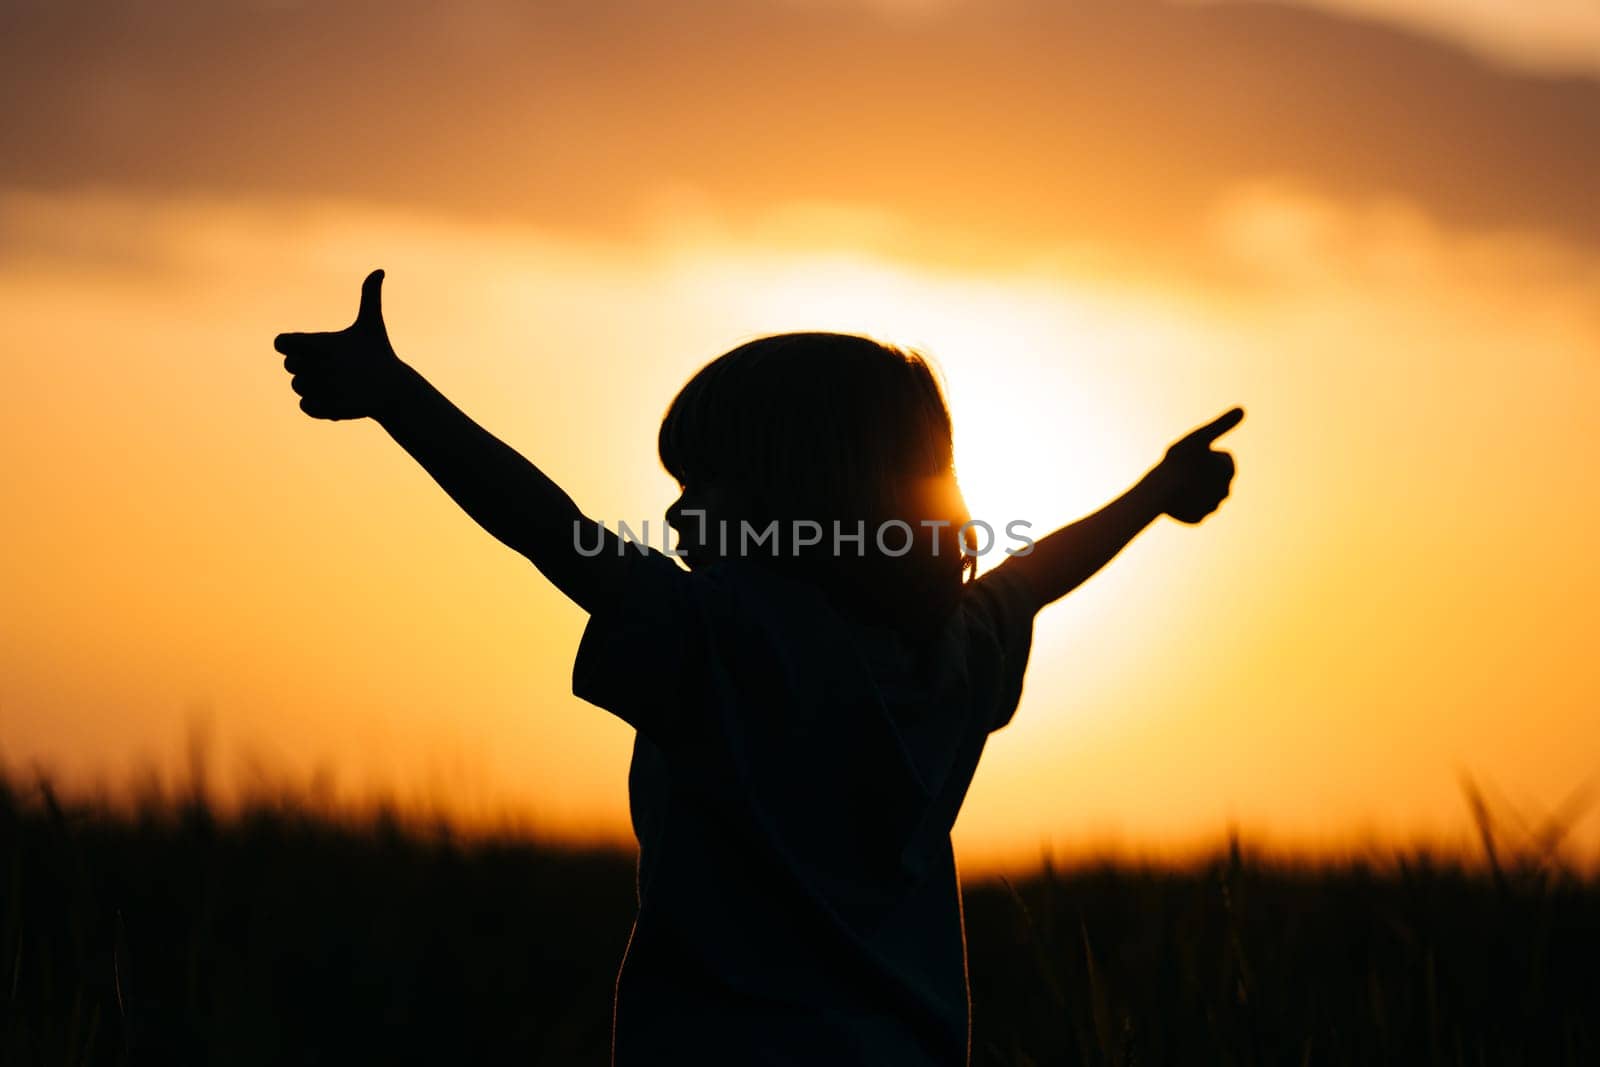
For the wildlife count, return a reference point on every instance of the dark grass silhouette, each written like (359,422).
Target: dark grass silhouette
(172,932)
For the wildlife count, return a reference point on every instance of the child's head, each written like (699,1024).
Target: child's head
(829,429)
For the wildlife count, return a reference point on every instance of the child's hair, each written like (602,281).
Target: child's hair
(833,427)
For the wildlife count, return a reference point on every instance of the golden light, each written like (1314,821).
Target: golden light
(1319,624)
(1062,394)
(1038,377)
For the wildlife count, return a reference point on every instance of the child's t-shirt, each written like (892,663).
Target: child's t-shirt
(795,778)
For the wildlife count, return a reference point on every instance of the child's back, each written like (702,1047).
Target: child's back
(794,782)
(808,718)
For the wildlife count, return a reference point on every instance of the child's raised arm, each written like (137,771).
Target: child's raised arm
(1189,483)
(354,373)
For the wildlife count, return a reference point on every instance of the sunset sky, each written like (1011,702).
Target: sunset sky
(1372,223)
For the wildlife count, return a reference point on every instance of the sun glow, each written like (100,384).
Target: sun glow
(1042,380)
(1062,394)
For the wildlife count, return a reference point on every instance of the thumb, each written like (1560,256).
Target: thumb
(371,313)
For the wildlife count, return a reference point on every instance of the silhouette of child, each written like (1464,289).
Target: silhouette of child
(810,697)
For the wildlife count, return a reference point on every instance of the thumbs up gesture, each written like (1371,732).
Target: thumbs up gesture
(345,374)
(1193,478)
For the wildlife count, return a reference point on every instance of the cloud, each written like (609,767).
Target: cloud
(1560,35)
(991,131)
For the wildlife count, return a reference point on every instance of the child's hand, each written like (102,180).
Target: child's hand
(1192,480)
(346,374)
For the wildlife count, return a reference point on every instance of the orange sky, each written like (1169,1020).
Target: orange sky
(1106,222)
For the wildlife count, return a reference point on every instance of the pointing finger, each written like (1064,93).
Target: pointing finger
(1215,429)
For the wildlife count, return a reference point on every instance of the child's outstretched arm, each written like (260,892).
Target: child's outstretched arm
(354,373)
(1189,483)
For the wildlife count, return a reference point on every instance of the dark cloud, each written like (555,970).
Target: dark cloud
(999,124)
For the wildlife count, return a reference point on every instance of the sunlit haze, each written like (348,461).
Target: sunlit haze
(1401,590)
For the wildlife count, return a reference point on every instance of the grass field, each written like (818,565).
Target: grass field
(168,933)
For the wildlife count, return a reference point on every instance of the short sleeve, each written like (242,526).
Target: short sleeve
(1006,601)
(635,654)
